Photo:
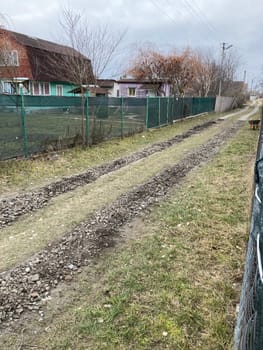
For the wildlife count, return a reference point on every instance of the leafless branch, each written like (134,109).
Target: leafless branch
(98,42)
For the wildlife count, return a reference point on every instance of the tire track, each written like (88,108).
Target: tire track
(26,287)
(13,207)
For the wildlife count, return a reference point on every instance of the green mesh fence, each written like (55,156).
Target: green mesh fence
(31,124)
(11,137)
(249,325)
(114,117)
(52,122)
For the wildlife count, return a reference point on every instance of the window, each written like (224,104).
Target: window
(9,58)
(131,91)
(40,88)
(44,89)
(8,87)
(36,88)
(59,90)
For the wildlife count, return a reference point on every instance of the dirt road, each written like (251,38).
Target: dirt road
(24,286)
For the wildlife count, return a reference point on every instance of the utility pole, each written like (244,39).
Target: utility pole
(225,47)
(245,76)
(251,88)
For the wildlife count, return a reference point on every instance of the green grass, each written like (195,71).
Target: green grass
(49,130)
(176,283)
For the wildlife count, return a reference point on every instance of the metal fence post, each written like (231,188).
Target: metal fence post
(159,111)
(87,120)
(167,111)
(122,117)
(23,122)
(147,112)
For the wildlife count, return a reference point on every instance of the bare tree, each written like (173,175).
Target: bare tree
(229,69)
(4,21)
(205,72)
(173,69)
(99,42)
(96,43)
(149,64)
(179,72)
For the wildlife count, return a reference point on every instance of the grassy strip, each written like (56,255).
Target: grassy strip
(71,208)
(22,174)
(177,285)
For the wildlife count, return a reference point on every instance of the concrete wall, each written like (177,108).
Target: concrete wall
(224,104)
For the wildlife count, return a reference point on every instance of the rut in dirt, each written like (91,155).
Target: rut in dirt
(25,287)
(14,207)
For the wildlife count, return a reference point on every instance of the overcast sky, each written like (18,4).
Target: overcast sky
(166,23)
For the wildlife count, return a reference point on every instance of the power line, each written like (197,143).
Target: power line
(164,12)
(203,15)
(193,12)
(197,14)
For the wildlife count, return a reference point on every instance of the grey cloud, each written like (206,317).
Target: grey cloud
(167,23)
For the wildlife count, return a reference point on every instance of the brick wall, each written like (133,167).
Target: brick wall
(8,42)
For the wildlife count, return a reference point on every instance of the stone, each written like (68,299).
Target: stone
(34,278)
(68,278)
(72,267)
(34,295)
(19,310)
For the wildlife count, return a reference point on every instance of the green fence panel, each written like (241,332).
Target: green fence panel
(203,104)
(52,101)
(178,108)
(198,105)
(171,110)
(54,122)
(11,136)
(187,106)
(104,117)
(153,112)
(163,110)
(51,131)
(135,112)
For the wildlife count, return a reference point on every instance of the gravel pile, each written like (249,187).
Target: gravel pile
(27,286)
(12,208)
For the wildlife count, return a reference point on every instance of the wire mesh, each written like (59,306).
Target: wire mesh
(249,325)
(56,122)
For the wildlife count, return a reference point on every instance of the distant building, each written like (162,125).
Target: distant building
(129,87)
(41,67)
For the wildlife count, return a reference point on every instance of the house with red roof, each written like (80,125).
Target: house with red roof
(40,67)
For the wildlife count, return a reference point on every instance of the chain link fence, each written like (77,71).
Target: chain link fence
(33,124)
(249,326)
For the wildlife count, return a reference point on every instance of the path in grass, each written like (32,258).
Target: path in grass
(68,210)
(175,286)
(23,288)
